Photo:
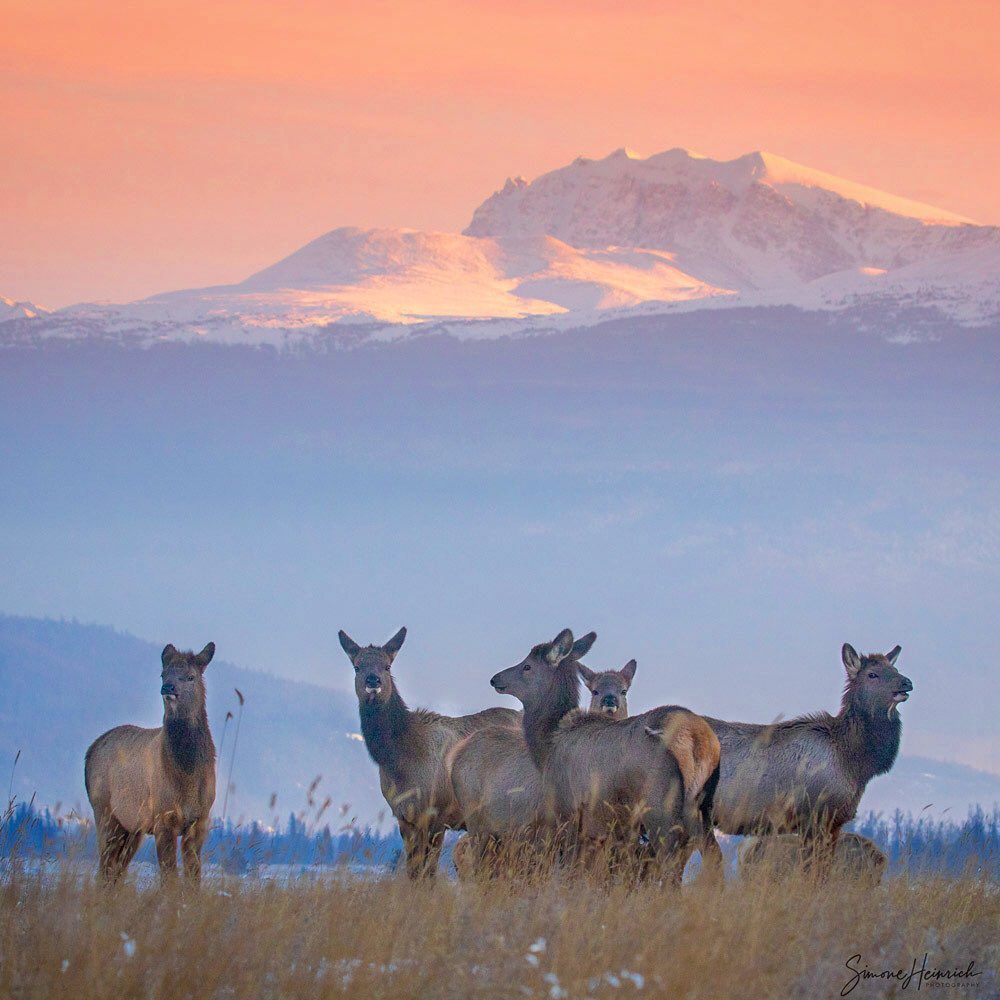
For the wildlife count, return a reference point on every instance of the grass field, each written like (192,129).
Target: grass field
(61,935)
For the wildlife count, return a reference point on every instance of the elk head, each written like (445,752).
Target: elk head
(535,676)
(372,677)
(181,681)
(874,685)
(609,689)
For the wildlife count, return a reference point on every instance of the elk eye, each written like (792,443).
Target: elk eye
(527,667)
(624,693)
(596,694)
(872,675)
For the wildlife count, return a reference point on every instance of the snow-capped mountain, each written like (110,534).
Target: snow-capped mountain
(402,275)
(754,223)
(9,309)
(671,231)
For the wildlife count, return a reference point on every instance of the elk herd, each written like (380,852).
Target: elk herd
(552,785)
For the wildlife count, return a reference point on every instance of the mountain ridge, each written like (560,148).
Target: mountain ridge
(668,231)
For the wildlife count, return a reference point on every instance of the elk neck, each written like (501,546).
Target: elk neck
(385,726)
(867,743)
(541,719)
(188,745)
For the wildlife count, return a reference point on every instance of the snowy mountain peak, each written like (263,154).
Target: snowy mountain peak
(677,166)
(12,309)
(751,223)
(513,183)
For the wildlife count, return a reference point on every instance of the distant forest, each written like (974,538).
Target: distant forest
(914,845)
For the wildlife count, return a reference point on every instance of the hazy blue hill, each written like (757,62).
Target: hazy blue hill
(63,684)
(916,783)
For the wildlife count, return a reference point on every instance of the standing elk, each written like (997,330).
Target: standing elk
(499,788)
(606,780)
(157,781)
(411,749)
(784,854)
(807,775)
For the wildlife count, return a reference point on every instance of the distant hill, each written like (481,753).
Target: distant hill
(64,683)
(937,789)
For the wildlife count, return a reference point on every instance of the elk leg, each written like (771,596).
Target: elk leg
(590,852)
(668,844)
(128,851)
(713,863)
(166,853)
(478,855)
(192,841)
(411,845)
(417,845)
(117,848)
(432,853)
(109,835)
(463,856)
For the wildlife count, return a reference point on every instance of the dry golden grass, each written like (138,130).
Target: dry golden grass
(61,935)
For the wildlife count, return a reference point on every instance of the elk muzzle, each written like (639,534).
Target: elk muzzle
(609,704)
(903,692)
(169,691)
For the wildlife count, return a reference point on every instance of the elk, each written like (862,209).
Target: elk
(157,781)
(609,689)
(807,775)
(603,778)
(499,788)
(782,855)
(411,749)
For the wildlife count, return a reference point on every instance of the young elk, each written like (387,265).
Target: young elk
(807,775)
(157,781)
(855,857)
(609,689)
(411,750)
(499,789)
(606,779)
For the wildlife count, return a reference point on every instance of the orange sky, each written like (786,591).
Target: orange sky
(155,145)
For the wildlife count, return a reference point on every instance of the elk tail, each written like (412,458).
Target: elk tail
(693,742)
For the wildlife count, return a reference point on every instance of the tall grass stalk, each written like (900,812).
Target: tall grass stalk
(232,756)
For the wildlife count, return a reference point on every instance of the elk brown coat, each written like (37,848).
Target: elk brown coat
(157,781)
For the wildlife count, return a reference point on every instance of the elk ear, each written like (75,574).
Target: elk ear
(628,671)
(169,650)
(560,647)
(893,654)
(582,645)
(392,646)
(204,658)
(348,645)
(852,662)
(587,674)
